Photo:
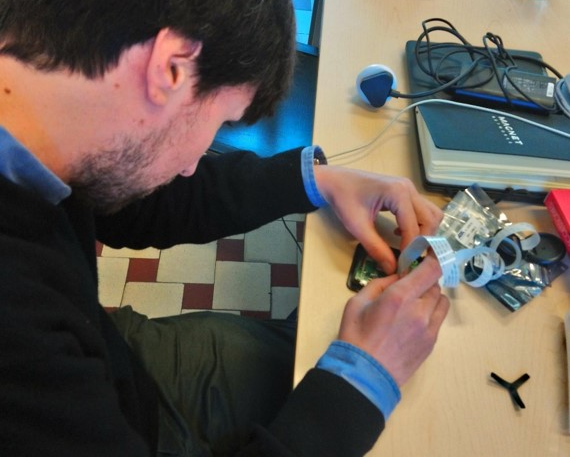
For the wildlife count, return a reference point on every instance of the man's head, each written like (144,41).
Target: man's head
(119,97)
(243,41)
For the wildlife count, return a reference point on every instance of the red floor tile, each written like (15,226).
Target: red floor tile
(256,314)
(110,309)
(300,231)
(142,270)
(284,275)
(230,250)
(198,296)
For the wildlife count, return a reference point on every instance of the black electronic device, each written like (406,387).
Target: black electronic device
(364,268)
(550,250)
(519,86)
(460,145)
(489,73)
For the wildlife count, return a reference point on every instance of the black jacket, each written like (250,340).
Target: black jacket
(69,384)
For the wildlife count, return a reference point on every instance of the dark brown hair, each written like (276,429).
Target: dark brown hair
(243,41)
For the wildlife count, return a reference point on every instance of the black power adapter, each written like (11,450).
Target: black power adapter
(524,90)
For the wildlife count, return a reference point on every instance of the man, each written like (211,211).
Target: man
(106,111)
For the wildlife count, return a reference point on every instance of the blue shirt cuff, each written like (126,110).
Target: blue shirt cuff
(364,373)
(308,174)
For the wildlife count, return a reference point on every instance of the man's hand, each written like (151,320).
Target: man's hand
(358,196)
(396,321)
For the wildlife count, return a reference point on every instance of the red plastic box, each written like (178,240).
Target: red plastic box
(558,204)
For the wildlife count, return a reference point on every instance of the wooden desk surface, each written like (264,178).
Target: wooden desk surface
(450,407)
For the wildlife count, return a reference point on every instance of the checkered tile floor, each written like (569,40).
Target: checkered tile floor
(255,274)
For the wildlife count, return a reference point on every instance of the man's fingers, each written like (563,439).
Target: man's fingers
(439,313)
(368,294)
(429,216)
(379,250)
(375,287)
(417,216)
(422,277)
(408,222)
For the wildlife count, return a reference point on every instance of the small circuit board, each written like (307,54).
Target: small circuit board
(364,268)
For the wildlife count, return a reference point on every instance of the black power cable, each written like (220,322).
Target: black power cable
(492,58)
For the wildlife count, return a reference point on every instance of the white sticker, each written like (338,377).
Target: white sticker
(468,231)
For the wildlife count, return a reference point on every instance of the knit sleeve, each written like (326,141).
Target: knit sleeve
(229,194)
(324,415)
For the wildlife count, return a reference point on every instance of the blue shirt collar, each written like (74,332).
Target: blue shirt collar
(20,166)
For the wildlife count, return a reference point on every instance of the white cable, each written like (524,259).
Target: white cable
(444,254)
(377,137)
(446,102)
(454,263)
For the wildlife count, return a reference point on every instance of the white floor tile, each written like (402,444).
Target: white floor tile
(112,277)
(242,286)
(154,299)
(188,263)
(295,218)
(148,253)
(283,301)
(271,243)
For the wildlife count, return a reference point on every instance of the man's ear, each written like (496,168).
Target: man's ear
(170,65)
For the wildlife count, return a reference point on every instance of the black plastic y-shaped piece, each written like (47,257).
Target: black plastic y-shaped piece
(512,387)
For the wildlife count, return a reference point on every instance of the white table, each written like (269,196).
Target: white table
(451,407)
